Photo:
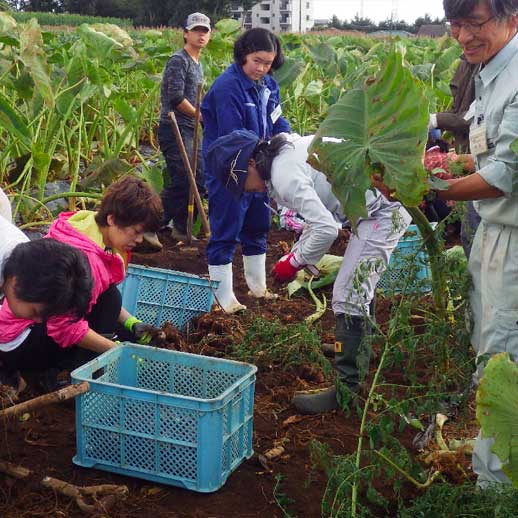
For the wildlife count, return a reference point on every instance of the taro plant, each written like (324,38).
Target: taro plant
(403,390)
(67,103)
(378,129)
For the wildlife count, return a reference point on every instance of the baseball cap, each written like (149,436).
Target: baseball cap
(197,20)
(228,156)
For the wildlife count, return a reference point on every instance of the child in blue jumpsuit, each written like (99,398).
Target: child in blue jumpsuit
(245,96)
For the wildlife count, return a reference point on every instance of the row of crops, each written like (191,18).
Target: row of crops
(77,106)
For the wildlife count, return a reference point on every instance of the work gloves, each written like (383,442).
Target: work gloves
(286,268)
(144,333)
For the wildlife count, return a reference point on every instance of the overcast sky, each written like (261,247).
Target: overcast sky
(377,10)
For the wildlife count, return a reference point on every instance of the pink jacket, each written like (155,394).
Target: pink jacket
(107,268)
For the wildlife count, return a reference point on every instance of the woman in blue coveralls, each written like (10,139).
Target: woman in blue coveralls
(245,96)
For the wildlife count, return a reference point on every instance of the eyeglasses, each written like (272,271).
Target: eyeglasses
(471,27)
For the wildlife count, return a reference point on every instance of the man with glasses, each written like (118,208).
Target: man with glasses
(487,32)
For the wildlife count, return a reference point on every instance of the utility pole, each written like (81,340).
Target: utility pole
(300,16)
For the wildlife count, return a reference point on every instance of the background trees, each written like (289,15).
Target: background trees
(173,12)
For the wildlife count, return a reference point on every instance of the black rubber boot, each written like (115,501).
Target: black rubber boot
(352,358)
(351,364)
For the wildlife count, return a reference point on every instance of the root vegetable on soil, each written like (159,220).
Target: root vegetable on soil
(90,499)
(47,399)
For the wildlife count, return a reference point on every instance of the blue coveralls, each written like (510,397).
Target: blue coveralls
(236,102)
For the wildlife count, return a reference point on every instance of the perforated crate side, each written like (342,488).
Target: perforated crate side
(409,260)
(156,295)
(186,441)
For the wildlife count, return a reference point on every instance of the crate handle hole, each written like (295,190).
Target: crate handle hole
(98,373)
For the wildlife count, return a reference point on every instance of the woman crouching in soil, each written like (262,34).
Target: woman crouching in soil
(40,281)
(128,209)
(244,163)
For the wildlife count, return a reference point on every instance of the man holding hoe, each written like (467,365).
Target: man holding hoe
(182,75)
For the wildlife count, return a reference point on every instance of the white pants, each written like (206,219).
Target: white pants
(366,258)
(493,265)
(486,464)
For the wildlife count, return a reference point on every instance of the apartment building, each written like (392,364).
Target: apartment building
(277,15)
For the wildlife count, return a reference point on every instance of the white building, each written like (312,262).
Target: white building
(277,15)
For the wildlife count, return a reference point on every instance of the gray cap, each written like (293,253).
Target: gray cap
(197,20)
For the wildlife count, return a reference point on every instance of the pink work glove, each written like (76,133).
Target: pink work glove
(286,268)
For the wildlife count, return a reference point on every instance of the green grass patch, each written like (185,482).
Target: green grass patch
(71,20)
(272,343)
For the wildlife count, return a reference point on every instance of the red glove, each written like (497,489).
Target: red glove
(286,268)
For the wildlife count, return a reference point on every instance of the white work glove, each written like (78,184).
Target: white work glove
(432,121)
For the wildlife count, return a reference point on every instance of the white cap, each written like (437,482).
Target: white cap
(197,20)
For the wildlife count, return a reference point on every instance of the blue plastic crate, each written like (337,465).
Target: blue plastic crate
(408,261)
(170,417)
(155,295)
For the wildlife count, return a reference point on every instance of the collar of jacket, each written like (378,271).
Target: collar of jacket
(499,62)
(245,81)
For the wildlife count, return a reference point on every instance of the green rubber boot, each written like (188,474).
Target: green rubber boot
(351,364)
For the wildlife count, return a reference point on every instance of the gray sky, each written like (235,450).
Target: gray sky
(377,10)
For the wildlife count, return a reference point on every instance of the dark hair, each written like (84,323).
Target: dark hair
(131,201)
(264,153)
(51,273)
(463,8)
(257,40)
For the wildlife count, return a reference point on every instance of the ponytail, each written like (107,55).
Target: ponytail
(264,153)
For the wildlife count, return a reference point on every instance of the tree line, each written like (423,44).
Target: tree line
(174,12)
(142,12)
(367,25)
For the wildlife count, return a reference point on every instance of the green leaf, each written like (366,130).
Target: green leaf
(153,175)
(313,91)
(114,32)
(100,43)
(378,127)
(127,112)
(497,411)
(34,58)
(101,172)
(514,147)
(438,183)
(322,53)
(328,267)
(227,26)
(14,123)
(7,24)
(289,72)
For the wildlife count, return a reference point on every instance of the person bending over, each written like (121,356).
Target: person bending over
(244,163)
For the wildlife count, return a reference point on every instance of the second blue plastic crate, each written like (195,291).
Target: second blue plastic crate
(155,295)
(409,269)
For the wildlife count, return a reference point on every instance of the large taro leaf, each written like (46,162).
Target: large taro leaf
(289,72)
(97,42)
(377,127)
(497,410)
(35,60)
(7,24)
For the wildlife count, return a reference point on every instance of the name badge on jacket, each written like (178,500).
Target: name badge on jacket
(276,114)
(478,140)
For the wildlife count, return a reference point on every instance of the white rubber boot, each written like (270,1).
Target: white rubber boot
(225,292)
(255,275)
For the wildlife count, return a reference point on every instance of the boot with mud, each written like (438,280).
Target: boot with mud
(351,364)
(254,267)
(225,291)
